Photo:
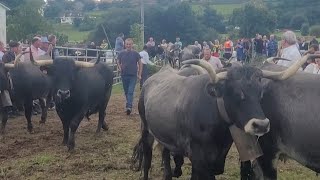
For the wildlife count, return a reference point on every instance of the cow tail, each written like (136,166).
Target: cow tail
(137,155)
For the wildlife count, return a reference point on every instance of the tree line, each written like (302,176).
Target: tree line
(165,19)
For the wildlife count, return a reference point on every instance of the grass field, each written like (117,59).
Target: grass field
(71,32)
(223,9)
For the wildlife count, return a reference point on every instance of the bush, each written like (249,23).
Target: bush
(315,31)
(305,29)
(297,21)
(153,69)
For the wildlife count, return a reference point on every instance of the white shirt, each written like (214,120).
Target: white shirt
(312,68)
(145,58)
(1,55)
(292,53)
(215,63)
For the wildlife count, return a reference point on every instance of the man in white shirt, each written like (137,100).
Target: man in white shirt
(313,68)
(290,50)
(35,48)
(145,60)
(214,61)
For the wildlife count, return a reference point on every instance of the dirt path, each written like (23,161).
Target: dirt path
(104,156)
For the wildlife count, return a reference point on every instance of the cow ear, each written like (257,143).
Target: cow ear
(215,89)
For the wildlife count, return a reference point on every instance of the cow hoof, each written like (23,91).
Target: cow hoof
(70,146)
(30,130)
(167,177)
(105,127)
(177,173)
(2,130)
(42,122)
(64,142)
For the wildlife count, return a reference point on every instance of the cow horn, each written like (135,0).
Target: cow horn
(84,64)
(272,59)
(8,66)
(207,66)
(17,59)
(199,69)
(283,75)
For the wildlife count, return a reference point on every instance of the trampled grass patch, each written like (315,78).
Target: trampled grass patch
(72,33)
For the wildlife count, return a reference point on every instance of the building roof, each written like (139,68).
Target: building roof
(4,6)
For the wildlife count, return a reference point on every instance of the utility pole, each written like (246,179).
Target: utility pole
(142,20)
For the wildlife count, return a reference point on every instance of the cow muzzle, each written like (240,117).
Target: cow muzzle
(63,94)
(257,127)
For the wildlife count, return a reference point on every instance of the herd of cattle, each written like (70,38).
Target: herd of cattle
(188,111)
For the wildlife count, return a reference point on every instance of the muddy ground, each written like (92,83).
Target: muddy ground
(104,156)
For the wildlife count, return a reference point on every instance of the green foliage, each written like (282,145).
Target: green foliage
(297,21)
(25,20)
(62,39)
(152,69)
(77,22)
(211,19)
(305,29)
(135,33)
(315,31)
(253,19)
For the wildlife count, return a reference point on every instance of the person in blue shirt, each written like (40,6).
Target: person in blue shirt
(119,46)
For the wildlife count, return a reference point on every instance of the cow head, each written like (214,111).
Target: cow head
(63,70)
(242,90)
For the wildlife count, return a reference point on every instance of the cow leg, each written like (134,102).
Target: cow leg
(147,154)
(166,162)
(74,124)
(28,113)
(200,170)
(44,110)
(102,113)
(4,119)
(178,160)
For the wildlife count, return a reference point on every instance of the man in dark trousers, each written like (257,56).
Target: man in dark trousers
(130,66)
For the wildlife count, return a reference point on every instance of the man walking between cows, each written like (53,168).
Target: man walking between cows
(130,66)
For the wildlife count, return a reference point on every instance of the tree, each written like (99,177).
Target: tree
(305,29)
(54,9)
(27,21)
(297,21)
(211,19)
(253,19)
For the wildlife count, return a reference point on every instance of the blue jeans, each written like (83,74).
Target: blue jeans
(129,83)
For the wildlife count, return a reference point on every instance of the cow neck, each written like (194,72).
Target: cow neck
(222,110)
(246,144)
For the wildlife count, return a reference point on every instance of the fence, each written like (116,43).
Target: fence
(85,54)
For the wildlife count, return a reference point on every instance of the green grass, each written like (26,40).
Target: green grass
(72,33)
(225,9)
(96,13)
(117,89)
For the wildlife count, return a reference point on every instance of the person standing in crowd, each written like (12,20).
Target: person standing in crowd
(130,66)
(239,49)
(228,48)
(35,49)
(258,45)
(151,42)
(303,45)
(216,48)
(205,45)
(313,67)
(53,42)
(289,49)
(145,60)
(119,46)
(265,46)
(10,55)
(178,42)
(196,43)
(214,61)
(272,47)
(104,45)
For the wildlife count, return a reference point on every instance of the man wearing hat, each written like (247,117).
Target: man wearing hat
(10,56)
(35,48)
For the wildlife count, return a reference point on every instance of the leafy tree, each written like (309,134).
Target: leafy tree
(54,9)
(27,21)
(253,19)
(211,19)
(305,29)
(87,24)
(297,21)
(135,33)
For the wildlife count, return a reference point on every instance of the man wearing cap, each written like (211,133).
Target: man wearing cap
(35,48)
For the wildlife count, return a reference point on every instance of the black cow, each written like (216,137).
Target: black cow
(29,83)
(292,107)
(190,52)
(80,89)
(182,114)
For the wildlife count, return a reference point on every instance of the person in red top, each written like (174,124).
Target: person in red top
(228,48)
